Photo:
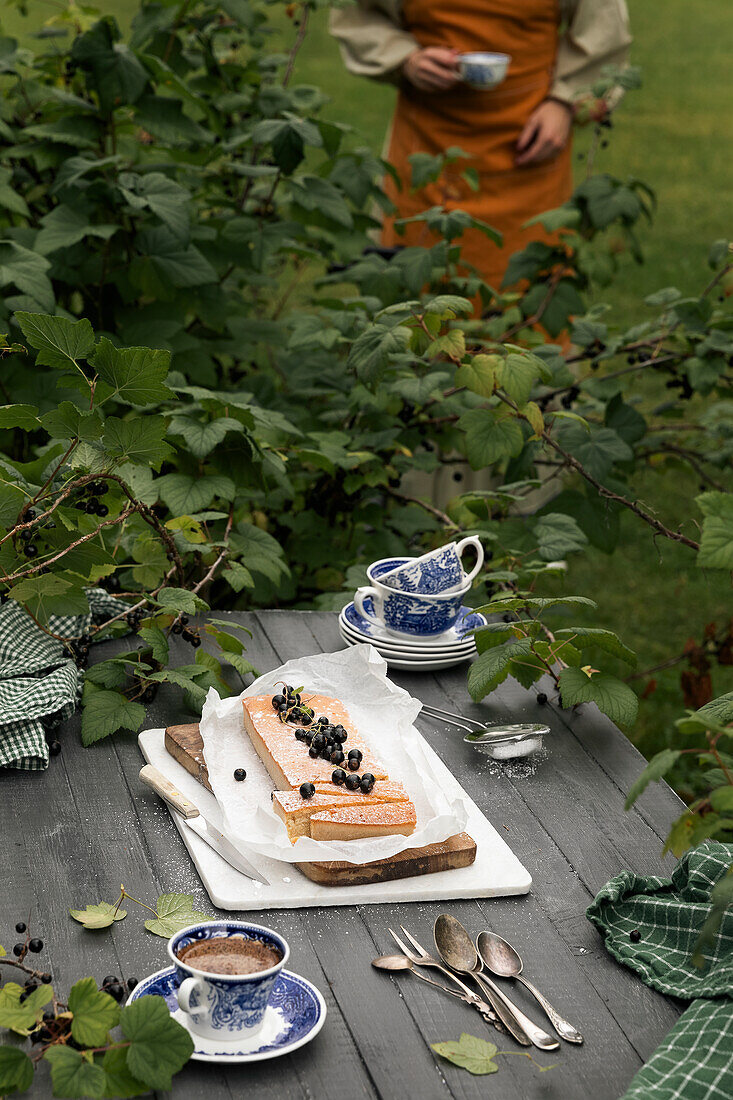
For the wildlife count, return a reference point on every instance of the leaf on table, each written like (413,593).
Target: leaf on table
(174,911)
(658,766)
(73,1075)
(98,916)
(159,1047)
(95,1013)
(22,1016)
(471,1053)
(120,1083)
(611,695)
(16,1070)
(105,712)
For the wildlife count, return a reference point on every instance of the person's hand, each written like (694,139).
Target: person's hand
(433,69)
(545,133)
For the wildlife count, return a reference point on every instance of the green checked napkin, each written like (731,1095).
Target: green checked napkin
(38,680)
(695,1061)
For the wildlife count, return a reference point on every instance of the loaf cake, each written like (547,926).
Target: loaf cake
(315,796)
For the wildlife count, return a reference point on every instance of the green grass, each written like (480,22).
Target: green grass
(675,134)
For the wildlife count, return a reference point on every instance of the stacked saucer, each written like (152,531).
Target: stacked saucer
(414,654)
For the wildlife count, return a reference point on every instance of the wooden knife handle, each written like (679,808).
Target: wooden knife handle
(162,786)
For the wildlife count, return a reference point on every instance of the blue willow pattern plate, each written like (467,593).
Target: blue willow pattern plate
(294,1016)
(374,631)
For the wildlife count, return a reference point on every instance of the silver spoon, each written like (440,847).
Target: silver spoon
(457,949)
(502,960)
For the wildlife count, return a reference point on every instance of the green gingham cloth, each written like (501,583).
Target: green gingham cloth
(695,1060)
(40,685)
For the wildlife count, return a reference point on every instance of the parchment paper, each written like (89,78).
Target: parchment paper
(383,714)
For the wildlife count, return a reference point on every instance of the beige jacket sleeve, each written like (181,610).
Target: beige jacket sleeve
(374,42)
(596,34)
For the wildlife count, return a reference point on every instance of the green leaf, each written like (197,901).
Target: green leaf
(28,271)
(60,343)
(517,375)
(189,527)
(595,636)
(722,799)
(186,495)
(558,535)
(45,594)
(238,576)
(98,916)
(201,438)
(65,226)
(491,667)
(119,1082)
(135,375)
(479,375)
(715,717)
(16,1070)
(95,1013)
(149,553)
(159,1047)
(174,911)
(490,436)
(155,638)
(180,600)
(105,712)
(114,71)
(68,421)
(22,1017)
(611,695)
(658,766)
(475,1055)
(19,416)
(140,441)
(167,199)
(598,450)
(716,543)
(72,1075)
(372,351)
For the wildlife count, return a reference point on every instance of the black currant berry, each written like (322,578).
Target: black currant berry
(116,991)
(307,790)
(131,983)
(240,774)
(338,776)
(313,752)
(195,641)
(21,926)
(35,945)
(46,979)
(352,782)
(54,748)
(635,935)
(541,698)
(18,949)
(176,628)
(111,979)
(30,550)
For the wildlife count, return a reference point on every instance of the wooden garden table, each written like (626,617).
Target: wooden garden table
(72,834)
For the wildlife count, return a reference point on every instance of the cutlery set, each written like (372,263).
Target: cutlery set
(458,958)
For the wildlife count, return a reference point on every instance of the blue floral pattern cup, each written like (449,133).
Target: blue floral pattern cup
(483,70)
(225,1006)
(438,571)
(406,612)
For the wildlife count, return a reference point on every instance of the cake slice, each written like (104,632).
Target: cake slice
(296,811)
(356,822)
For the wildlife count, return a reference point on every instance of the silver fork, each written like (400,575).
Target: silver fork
(423,959)
(504,1011)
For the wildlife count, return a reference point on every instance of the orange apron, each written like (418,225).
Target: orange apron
(485,124)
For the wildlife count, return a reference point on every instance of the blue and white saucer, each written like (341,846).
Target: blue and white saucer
(369,630)
(293,1017)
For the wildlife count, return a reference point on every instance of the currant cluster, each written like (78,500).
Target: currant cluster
(290,708)
(116,987)
(180,626)
(78,648)
(88,498)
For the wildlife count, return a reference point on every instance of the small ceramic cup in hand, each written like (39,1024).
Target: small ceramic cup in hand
(482,70)
(226,1006)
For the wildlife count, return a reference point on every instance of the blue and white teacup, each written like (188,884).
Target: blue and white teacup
(483,70)
(225,1006)
(409,613)
(438,571)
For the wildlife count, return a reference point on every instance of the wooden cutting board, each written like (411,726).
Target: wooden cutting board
(185,745)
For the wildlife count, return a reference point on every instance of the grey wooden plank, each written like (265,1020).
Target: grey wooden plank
(619,758)
(557,887)
(320,1065)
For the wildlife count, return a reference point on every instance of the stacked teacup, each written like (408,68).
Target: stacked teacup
(413,611)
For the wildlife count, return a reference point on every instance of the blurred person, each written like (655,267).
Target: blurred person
(518,134)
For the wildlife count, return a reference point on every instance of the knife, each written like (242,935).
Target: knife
(198,823)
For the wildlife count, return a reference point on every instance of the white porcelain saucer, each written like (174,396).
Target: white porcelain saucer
(411,662)
(294,1016)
